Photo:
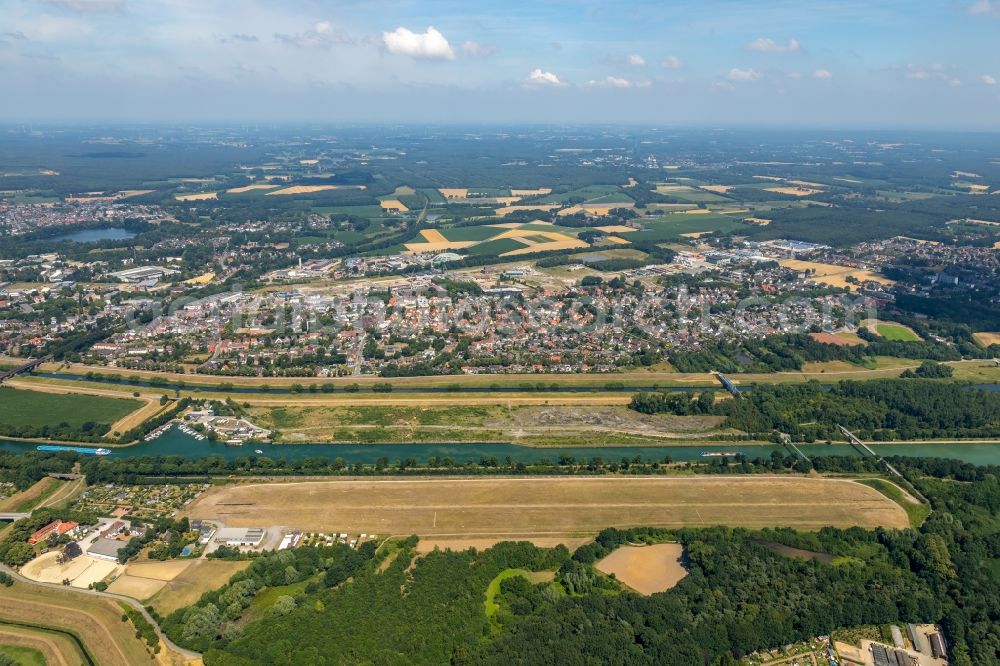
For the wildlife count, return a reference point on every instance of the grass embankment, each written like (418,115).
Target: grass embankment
(493,589)
(916,510)
(29,499)
(47,647)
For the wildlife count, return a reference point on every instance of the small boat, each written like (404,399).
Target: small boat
(258,451)
(718,454)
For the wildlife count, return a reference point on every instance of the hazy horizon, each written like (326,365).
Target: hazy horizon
(826,65)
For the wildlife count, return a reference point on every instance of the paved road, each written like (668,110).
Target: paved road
(187,654)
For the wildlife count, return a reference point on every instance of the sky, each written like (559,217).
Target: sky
(803,63)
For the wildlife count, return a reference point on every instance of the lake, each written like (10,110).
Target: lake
(92,235)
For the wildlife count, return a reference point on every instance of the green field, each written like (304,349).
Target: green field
(26,413)
(24,656)
(896,332)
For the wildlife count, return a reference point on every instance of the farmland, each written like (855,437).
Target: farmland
(547,506)
(31,413)
(646,569)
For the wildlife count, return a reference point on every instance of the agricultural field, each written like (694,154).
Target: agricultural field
(143,579)
(509,239)
(481,507)
(29,413)
(987,338)
(646,569)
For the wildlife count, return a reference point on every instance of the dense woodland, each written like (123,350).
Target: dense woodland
(881,410)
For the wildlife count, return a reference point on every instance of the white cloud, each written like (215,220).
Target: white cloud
(768,45)
(989,80)
(822,74)
(636,59)
(737,74)
(429,45)
(981,7)
(477,50)
(617,82)
(89,6)
(672,62)
(541,78)
(321,35)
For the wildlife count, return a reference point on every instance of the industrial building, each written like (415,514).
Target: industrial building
(249,537)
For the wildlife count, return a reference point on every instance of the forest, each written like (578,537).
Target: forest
(880,410)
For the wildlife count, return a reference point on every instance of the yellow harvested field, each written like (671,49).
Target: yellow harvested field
(201,196)
(454,192)
(524,233)
(166,570)
(200,577)
(301,189)
(718,189)
(136,587)
(434,236)
(696,234)
(599,210)
(617,229)
(987,338)
(547,506)
(308,162)
(393,204)
(419,248)
(793,191)
(531,193)
(646,569)
(197,180)
(204,278)
(547,247)
(762,221)
(251,188)
(833,275)
(506,201)
(507,210)
(619,240)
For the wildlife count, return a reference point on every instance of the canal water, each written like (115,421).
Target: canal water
(176,443)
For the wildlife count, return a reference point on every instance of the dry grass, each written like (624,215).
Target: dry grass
(617,229)
(834,275)
(793,191)
(646,569)
(251,188)
(136,586)
(96,621)
(40,487)
(200,196)
(393,204)
(56,650)
(531,193)
(480,507)
(987,338)
(147,411)
(428,544)
(202,576)
(717,189)
(301,189)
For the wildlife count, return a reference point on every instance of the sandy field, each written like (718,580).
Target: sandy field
(987,338)
(646,569)
(793,191)
(251,188)
(201,196)
(454,192)
(478,507)
(81,571)
(393,204)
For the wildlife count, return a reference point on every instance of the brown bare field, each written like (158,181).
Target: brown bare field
(201,196)
(57,650)
(646,569)
(393,204)
(97,622)
(251,188)
(202,576)
(511,507)
(793,191)
(839,339)
(987,338)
